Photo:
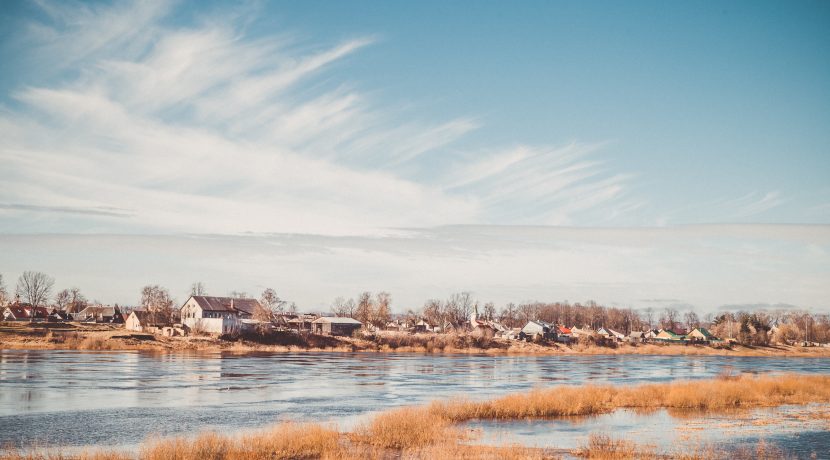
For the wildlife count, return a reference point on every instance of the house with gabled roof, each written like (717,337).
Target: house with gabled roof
(537,328)
(701,334)
(21,311)
(100,314)
(671,335)
(216,315)
(336,325)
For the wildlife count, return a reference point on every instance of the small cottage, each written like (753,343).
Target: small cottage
(701,334)
(536,329)
(138,321)
(671,335)
(100,314)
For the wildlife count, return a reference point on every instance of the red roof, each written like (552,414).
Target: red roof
(563,330)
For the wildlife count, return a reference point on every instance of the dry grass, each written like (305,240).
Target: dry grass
(715,394)
(428,431)
(406,428)
(47,454)
(285,441)
(604,447)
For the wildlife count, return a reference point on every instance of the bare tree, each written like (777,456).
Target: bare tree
(489,311)
(34,288)
(198,288)
(433,313)
(62,299)
(365,310)
(292,308)
(239,294)
(77,301)
(343,308)
(271,304)
(669,318)
(509,315)
(156,300)
(648,315)
(383,311)
(459,307)
(692,321)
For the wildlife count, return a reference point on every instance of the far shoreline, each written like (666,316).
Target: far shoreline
(21,337)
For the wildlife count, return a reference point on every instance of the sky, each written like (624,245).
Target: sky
(640,154)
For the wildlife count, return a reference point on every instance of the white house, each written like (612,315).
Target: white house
(536,328)
(138,321)
(216,315)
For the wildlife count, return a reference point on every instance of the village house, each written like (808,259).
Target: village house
(671,335)
(99,314)
(701,334)
(331,325)
(563,334)
(216,315)
(618,336)
(535,329)
(301,323)
(139,321)
(423,326)
(637,336)
(18,311)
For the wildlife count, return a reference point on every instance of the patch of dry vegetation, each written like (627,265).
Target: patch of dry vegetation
(285,441)
(407,428)
(604,447)
(429,431)
(715,394)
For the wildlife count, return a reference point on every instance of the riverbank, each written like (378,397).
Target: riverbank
(78,336)
(437,431)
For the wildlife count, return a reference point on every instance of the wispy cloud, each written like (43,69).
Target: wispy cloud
(94,211)
(181,123)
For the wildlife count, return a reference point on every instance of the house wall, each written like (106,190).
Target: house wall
(213,325)
(533,328)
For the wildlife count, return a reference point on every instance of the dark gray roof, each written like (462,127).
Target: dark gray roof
(230,304)
(337,320)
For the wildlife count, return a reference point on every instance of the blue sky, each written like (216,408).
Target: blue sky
(365,118)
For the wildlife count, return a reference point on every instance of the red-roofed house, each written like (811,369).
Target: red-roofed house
(20,311)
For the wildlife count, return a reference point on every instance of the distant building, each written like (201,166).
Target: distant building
(537,328)
(331,325)
(20,311)
(671,335)
(138,321)
(99,314)
(701,334)
(216,315)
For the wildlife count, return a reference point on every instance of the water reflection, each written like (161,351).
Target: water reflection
(119,398)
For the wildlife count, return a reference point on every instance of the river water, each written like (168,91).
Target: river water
(77,398)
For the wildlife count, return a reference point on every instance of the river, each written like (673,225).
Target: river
(77,398)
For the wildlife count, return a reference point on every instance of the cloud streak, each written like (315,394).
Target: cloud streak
(201,128)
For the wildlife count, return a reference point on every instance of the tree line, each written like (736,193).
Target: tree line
(757,327)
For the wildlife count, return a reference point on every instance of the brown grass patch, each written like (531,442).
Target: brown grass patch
(284,441)
(406,428)
(701,395)
(604,447)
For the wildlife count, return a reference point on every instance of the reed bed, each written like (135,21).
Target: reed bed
(430,432)
(284,441)
(406,428)
(603,447)
(703,395)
